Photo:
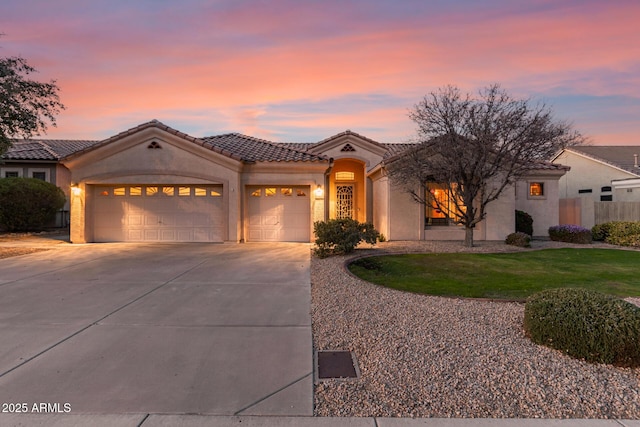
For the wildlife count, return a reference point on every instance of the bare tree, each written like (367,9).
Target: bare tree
(473,148)
(26,106)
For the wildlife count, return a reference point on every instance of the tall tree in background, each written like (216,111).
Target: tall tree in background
(26,106)
(474,148)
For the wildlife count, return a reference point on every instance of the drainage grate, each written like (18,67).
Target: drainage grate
(336,364)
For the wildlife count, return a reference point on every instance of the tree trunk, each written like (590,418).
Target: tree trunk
(468,237)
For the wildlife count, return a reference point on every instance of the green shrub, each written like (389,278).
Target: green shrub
(624,233)
(28,204)
(341,236)
(600,232)
(524,223)
(518,239)
(369,263)
(585,324)
(570,234)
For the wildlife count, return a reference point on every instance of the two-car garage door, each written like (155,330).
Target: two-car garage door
(158,213)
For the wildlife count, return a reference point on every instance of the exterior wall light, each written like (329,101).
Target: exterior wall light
(75,190)
(319,192)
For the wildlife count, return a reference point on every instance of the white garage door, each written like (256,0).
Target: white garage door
(278,213)
(158,213)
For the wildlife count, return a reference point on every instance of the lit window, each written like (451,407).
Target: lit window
(104,193)
(444,205)
(300,192)
(257,193)
(536,189)
(168,191)
(345,176)
(135,191)
(269,191)
(286,191)
(184,191)
(151,191)
(215,193)
(200,192)
(119,191)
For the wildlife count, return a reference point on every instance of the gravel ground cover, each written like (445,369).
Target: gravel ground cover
(425,356)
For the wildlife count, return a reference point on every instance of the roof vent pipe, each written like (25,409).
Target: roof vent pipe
(635,161)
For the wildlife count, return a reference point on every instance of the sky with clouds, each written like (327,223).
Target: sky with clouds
(303,70)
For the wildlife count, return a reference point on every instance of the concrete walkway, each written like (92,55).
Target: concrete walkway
(168,329)
(144,420)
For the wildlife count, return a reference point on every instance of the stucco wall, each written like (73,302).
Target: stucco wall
(130,161)
(587,174)
(545,210)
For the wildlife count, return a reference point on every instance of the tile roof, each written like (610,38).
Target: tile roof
(252,149)
(45,149)
(621,156)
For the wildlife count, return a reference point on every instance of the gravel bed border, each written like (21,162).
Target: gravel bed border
(427,356)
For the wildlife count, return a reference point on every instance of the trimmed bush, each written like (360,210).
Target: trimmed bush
(518,239)
(524,223)
(341,236)
(600,232)
(570,234)
(585,324)
(623,233)
(28,204)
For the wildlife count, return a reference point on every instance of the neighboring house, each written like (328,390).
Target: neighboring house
(40,159)
(154,183)
(602,173)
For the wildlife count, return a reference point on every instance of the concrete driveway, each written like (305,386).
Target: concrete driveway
(155,328)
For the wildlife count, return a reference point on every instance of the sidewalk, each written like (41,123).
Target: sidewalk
(142,420)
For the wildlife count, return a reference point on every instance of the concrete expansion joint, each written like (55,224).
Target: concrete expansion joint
(240,411)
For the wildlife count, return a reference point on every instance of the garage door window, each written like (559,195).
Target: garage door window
(119,191)
(300,193)
(168,191)
(286,192)
(151,191)
(135,191)
(270,191)
(184,191)
(257,193)
(215,193)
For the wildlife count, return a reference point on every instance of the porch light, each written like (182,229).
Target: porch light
(75,190)
(319,191)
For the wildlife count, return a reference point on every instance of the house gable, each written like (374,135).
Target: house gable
(152,153)
(351,145)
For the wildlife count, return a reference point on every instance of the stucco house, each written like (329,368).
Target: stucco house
(603,173)
(155,183)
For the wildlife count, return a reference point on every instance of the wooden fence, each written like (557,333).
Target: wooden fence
(587,212)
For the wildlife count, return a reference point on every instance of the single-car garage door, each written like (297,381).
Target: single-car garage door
(278,213)
(158,213)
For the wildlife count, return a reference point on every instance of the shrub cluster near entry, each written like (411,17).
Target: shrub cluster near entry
(623,233)
(341,236)
(570,234)
(28,204)
(585,324)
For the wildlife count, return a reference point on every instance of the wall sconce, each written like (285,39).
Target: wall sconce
(319,192)
(75,190)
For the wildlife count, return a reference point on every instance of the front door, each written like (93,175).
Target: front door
(344,201)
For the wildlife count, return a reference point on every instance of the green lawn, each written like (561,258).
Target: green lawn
(511,276)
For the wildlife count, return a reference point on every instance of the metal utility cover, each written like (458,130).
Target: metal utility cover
(336,364)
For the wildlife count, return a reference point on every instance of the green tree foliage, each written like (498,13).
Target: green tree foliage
(28,204)
(26,106)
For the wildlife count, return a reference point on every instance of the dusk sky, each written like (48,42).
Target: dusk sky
(301,71)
